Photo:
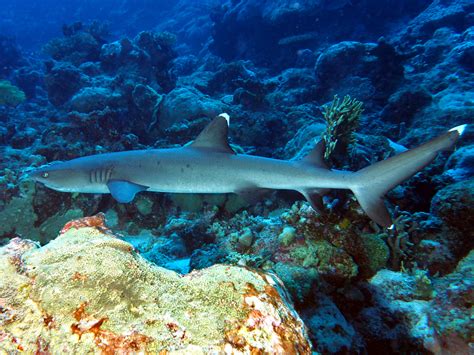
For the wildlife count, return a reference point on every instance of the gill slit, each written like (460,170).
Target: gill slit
(101,175)
(109,173)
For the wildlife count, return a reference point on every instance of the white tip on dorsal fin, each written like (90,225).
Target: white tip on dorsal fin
(214,136)
(460,129)
(226,116)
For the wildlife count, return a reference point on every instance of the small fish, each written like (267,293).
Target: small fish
(209,165)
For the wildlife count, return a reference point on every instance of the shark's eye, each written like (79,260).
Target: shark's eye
(45,175)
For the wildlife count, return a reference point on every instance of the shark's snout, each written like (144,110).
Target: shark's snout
(40,174)
(35,174)
(51,175)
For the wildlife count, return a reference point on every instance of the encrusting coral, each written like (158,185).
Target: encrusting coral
(88,291)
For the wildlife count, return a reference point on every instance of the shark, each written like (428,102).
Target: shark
(210,165)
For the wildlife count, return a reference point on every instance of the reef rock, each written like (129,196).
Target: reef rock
(456,14)
(10,56)
(273,33)
(62,81)
(371,71)
(189,103)
(460,165)
(93,98)
(88,291)
(436,313)
(330,330)
(454,204)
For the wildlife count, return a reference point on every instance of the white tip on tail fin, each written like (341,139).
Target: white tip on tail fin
(226,116)
(460,129)
(372,183)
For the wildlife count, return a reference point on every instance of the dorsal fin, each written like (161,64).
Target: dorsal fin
(316,156)
(214,136)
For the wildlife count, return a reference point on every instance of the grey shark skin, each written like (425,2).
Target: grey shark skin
(209,165)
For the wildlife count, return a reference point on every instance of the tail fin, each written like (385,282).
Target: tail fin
(373,182)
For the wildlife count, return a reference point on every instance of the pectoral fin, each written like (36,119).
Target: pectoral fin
(124,191)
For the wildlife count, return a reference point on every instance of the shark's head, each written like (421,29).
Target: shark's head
(60,176)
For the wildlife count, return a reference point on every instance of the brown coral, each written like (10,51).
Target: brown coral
(96,221)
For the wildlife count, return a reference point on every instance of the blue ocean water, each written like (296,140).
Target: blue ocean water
(371,79)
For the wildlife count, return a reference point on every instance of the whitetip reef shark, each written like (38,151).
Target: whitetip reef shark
(210,165)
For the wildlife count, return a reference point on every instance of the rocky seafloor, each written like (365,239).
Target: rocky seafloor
(346,285)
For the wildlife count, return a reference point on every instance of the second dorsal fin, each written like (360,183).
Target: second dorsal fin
(316,156)
(214,136)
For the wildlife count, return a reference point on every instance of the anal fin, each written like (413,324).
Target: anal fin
(315,198)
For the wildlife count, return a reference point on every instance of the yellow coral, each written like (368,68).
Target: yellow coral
(86,292)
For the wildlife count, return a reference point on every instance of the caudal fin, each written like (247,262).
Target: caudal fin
(373,182)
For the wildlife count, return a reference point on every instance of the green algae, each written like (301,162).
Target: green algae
(10,95)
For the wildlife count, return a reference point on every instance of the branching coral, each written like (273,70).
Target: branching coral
(10,95)
(398,239)
(342,119)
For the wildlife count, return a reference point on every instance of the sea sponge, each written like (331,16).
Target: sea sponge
(10,95)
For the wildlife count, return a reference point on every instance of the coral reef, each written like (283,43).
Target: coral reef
(89,291)
(151,75)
